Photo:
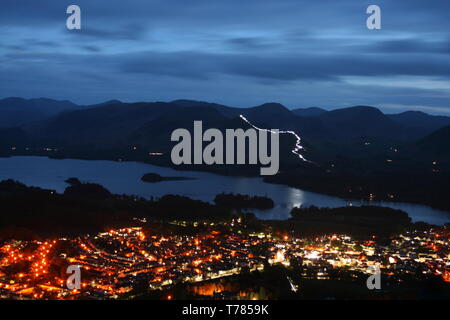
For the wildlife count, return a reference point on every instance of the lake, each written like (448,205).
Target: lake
(125,178)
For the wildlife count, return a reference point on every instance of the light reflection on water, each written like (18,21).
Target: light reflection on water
(125,178)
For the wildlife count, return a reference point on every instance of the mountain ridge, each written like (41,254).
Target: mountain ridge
(351,132)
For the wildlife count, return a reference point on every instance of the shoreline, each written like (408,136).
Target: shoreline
(359,201)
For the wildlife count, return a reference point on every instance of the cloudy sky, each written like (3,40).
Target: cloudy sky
(300,53)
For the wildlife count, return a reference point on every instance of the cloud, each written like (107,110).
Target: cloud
(249,43)
(280,67)
(132,31)
(294,51)
(411,46)
(92,48)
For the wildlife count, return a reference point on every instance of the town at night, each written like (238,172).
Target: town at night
(126,263)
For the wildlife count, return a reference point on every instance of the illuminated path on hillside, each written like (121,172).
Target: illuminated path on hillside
(298,146)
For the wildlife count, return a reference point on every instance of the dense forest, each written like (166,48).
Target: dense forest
(28,212)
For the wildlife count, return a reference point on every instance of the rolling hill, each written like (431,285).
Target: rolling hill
(436,145)
(309,112)
(18,111)
(422,122)
(119,126)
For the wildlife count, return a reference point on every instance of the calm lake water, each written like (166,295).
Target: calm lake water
(125,178)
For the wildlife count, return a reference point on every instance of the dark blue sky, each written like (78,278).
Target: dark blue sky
(236,52)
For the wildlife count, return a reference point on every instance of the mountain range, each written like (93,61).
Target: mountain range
(354,132)
(17,111)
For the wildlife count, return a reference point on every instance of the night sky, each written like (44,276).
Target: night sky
(235,52)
